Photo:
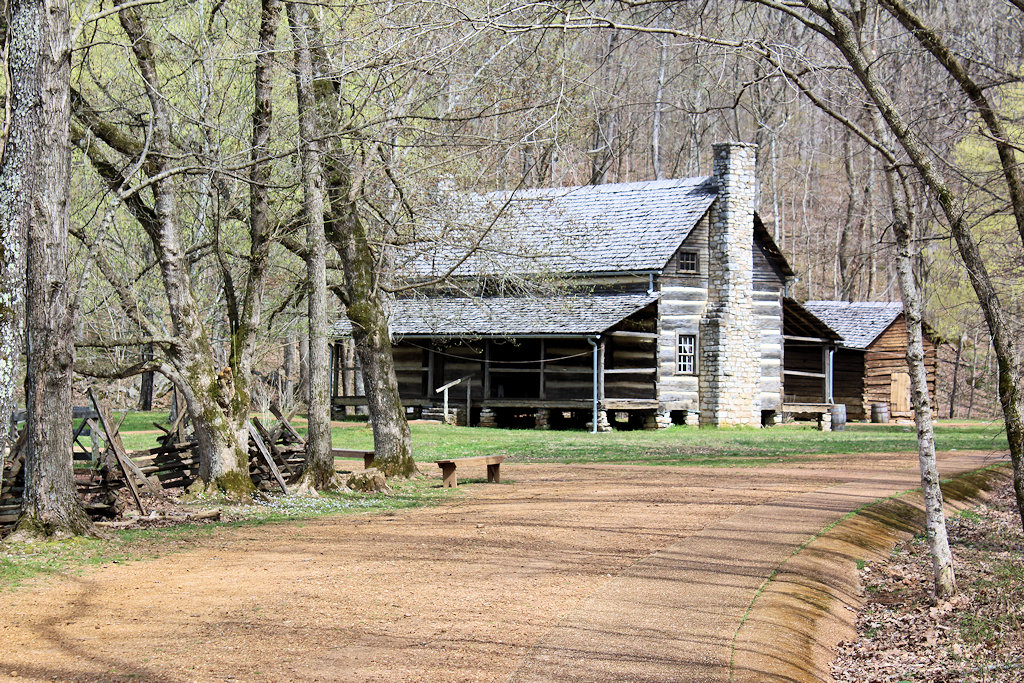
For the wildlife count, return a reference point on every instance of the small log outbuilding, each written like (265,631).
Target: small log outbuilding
(870,364)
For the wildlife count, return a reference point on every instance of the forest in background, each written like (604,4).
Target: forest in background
(441,100)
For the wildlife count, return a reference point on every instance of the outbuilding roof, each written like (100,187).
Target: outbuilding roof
(620,227)
(509,316)
(798,321)
(858,322)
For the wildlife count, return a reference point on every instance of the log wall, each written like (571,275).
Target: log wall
(769,287)
(684,297)
(884,360)
(683,300)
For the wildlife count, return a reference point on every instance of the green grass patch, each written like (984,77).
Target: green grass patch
(742,447)
(970,515)
(23,561)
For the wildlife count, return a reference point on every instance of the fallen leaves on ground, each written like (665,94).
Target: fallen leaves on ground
(978,635)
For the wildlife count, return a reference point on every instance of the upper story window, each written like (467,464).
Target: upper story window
(688,262)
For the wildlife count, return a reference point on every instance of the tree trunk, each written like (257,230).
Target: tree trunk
(146,387)
(288,369)
(40,67)
(935,518)
(246,319)
(659,106)
(218,404)
(956,376)
(17,168)
(364,299)
(847,271)
(302,347)
(606,117)
(392,442)
(974,374)
(318,472)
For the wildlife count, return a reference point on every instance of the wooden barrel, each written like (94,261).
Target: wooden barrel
(880,413)
(838,417)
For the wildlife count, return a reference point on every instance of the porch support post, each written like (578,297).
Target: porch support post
(430,370)
(593,343)
(828,359)
(543,350)
(487,372)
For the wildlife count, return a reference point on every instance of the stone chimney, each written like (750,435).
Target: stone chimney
(730,345)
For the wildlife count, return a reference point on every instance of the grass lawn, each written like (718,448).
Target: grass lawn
(673,446)
(676,445)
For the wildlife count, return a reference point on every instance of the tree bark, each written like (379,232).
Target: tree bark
(40,68)
(17,168)
(935,517)
(288,385)
(974,374)
(318,472)
(606,117)
(363,297)
(246,319)
(302,349)
(659,106)
(146,386)
(956,376)
(392,441)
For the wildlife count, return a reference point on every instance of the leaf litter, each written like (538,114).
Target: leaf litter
(978,635)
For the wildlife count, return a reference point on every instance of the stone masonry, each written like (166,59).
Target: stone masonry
(730,351)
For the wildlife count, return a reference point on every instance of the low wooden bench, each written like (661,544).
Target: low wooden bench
(493,463)
(367,456)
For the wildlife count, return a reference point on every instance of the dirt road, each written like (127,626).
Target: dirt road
(568,572)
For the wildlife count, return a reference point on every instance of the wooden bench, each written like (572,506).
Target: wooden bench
(493,463)
(367,456)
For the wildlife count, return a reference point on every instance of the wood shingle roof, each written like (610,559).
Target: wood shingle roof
(858,322)
(620,227)
(509,316)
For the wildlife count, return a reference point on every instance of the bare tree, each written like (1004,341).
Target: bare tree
(39,73)
(218,401)
(839,28)
(319,470)
(913,308)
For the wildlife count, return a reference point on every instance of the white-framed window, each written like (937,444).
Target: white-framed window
(686,354)
(688,262)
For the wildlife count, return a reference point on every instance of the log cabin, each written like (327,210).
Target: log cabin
(668,308)
(870,364)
